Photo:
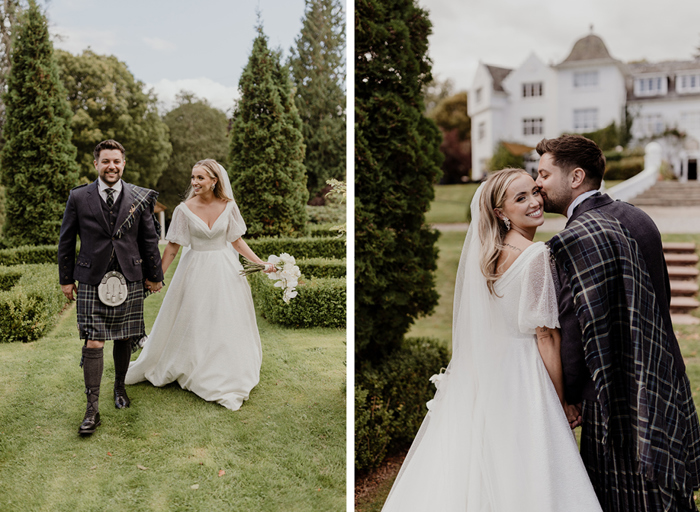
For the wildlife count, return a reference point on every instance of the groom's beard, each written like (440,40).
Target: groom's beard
(555,204)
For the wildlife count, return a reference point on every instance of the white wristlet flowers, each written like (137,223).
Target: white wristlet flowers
(286,273)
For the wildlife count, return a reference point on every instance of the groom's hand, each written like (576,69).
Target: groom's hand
(153,287)
(573,415)
(69,290)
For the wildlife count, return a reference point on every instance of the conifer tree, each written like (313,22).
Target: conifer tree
(266,156)
(397,160)
(38,160)
(318,71)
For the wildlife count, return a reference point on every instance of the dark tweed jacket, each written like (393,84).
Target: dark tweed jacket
(636,376)
(134,238)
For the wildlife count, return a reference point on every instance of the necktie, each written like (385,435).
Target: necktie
(110,197)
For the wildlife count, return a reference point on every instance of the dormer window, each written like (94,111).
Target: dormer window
(688,83)
(585,79)
(650,86)
(532,89)
(478,95)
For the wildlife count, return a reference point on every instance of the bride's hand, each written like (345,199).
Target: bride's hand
(573,415)
(269,268)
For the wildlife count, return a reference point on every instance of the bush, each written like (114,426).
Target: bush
(390,399)
(625,168)
(307,247)
(321,302)
(324,230)
(329,214)
(30,307)
(322,267)
(27,254)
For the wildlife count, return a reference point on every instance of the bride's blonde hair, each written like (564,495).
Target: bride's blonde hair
(492,229)
(213,169)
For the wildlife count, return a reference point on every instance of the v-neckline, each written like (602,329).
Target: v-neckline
(203,221)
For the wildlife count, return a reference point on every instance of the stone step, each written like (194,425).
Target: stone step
(676,185)
(684,320)
(682,273)
(683,288)
(683,305)
(642,201)
(681,260)
(679,247)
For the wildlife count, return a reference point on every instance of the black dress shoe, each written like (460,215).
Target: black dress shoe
(121,400)
(89,424)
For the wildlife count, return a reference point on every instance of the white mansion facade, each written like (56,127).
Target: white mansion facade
(586,92)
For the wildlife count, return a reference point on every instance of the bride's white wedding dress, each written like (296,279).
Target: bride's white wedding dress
(496,437)
(205,336)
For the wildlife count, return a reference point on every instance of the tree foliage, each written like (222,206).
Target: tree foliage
(318,72)
(197,131)
(504,159)
(267,149)
(38,159)
(397,159)
(451,115)
(109,103)
(9,10)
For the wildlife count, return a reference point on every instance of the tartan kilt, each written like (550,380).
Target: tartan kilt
(99,322)
(615,477)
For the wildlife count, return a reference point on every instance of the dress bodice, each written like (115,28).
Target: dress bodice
(187,229)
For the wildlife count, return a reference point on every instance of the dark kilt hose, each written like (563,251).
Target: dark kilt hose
(640,439)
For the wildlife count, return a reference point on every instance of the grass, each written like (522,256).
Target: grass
(451,203)
(283,450)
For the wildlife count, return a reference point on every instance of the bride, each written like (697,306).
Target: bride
(205,336)
(496,437)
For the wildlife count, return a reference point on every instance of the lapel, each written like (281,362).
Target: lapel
(127,200)
(592,203)
(95,204)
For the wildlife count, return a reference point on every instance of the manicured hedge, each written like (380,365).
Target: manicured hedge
(307,247)
(321,302)
(329,214)
(625,168)
(29,254)
(322,267)
(390,399)
(323,230)
(30,307)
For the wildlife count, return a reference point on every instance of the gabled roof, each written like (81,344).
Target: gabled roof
(667,67)
(498,74)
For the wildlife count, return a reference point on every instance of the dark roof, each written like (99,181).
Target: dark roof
(590,47)
(667,67)
(498,74)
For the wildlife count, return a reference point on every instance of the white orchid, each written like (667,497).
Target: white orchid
(287,274)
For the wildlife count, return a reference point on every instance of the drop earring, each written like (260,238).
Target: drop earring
(506,221)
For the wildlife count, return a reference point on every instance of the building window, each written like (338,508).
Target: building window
(585,119)
(690,121)
(650,86)
(585,78)
(482,130)
(688,83)
(533,126)
(651,124)
(532,89)
(478,95)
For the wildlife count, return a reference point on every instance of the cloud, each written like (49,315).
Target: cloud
(75,40)
(159,44)
(218,95)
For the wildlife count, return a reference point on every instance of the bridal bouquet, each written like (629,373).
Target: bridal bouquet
(287,273)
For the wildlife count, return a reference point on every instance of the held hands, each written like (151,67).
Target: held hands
(573,415)
(70,291)
(153,287)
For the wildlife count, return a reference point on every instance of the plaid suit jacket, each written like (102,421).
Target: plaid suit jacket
(624,342)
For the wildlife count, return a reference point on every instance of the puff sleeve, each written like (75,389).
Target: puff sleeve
(236,225)
(179,230)
(538,297)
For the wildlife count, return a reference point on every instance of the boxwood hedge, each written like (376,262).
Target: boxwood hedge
(307,247)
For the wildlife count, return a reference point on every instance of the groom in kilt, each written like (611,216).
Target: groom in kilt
(114,221)
(624,375)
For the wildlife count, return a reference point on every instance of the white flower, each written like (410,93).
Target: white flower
(287,274)
(435,379)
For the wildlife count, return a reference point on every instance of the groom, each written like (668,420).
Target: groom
(622,365)
(114,221)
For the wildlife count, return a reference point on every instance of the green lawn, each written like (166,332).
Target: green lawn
(284,450)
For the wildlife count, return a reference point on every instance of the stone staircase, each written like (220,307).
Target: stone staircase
(682,264)
(670,193)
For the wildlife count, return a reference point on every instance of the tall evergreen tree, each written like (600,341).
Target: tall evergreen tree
(267,149)
(397,160)
(109,103)
(197,131)
(318,71)
(9,10)
(38,160)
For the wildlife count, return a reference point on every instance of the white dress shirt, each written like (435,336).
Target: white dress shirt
(580,199)
(117,187)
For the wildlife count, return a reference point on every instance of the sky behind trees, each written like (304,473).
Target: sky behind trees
(505,32)
(177,44)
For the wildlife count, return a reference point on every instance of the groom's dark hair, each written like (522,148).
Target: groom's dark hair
(572,151)
(108,144)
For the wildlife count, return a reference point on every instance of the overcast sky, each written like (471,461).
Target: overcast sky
(505,32)
(177,44)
